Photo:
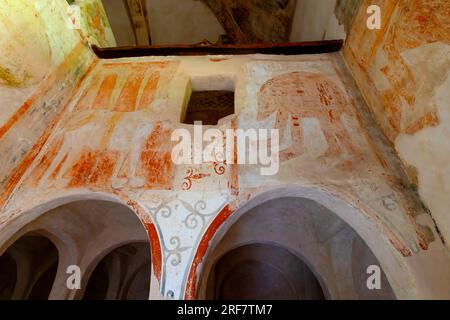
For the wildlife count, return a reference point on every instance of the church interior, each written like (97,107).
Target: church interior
(355,94)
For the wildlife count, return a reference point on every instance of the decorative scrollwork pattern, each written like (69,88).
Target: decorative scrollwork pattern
(187,183)
(174,254)
(196,215)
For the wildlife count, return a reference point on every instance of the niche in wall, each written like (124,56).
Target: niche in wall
(264,272)
(210,98)
(124,274)
(209,106)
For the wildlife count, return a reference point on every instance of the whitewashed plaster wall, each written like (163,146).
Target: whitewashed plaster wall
(315,20)
(429,150)
(178,22)
(120,22)
(170,21)
(190,21)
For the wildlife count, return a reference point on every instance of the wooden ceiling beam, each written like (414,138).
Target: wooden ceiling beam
(137,12)
(254,21)
(314,47)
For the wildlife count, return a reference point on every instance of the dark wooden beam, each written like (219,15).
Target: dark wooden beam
(137,12)
(291,48)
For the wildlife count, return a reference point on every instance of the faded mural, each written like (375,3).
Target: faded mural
(102,128)
(403,71)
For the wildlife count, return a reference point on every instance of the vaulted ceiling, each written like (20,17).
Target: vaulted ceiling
(157,22)
(254,21)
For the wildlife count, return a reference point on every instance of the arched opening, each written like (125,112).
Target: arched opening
(309,246)
(93,235)
(263,272)
(8,276)
(124,274)
(28,269)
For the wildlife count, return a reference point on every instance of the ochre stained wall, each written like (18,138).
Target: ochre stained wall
(102,129)
(42,60)
(95,23)
(115,140)
(34,39)
(403,73)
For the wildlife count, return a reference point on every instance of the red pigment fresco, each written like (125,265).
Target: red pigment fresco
(155,244)
(130,90)
(87,97)
(20,170)
(234,174)
(218,59)
(406,25)
(191,285)
(148,95)
(105,92)
(16,116)
(429,120)
(159,169)
(155,164)
(110,127)
(58,167)
(123,172)
(94,168)
(191,176)
(307,95)
(99,94)
(46,160)
(155,248)
(31,155)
